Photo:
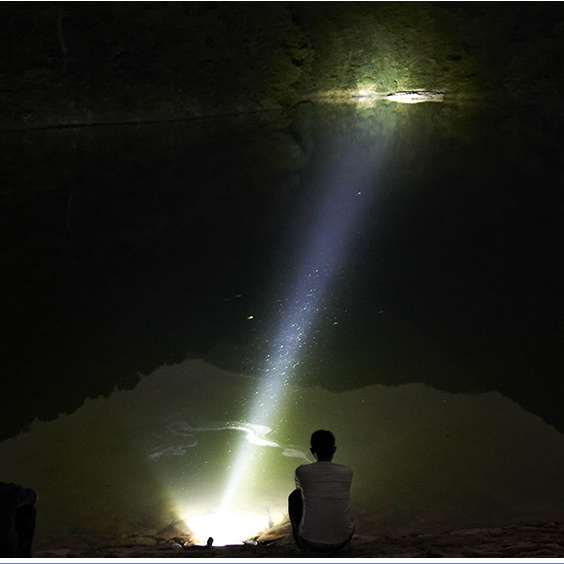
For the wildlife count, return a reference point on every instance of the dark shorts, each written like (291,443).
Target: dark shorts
(318,547)
(295,511)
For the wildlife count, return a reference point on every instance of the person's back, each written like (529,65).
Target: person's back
(319,508)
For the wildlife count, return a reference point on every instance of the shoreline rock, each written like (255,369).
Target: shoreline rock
(521,540)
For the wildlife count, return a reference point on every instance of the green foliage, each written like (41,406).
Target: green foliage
(176,59)
(387,45)
(460,47)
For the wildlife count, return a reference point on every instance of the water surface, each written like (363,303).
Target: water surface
(132,251)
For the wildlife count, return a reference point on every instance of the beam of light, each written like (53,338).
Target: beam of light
(330,234)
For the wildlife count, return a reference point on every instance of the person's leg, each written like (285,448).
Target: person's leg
(25,528)
(295,512)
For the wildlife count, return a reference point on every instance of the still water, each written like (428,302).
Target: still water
(155,270)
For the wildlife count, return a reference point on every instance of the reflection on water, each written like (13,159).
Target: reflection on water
(137,248)
(180,436)
(421,457)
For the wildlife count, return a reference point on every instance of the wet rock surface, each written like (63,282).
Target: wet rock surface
(522,540)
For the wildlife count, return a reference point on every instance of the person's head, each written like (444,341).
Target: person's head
(323,445)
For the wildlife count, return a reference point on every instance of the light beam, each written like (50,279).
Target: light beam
(331,232)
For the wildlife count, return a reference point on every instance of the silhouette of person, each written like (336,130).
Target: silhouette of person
(17,520)
(319,506)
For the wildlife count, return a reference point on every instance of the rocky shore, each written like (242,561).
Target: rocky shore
(521,540)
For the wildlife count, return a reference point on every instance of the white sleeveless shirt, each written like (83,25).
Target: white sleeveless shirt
(325,490)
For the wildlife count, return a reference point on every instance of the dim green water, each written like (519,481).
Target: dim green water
(421,457)
(134,252)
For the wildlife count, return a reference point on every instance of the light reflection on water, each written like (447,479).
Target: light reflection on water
(130,247)
(421,457)
(186,238)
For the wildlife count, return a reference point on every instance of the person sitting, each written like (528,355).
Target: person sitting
(319,506)
(17,520)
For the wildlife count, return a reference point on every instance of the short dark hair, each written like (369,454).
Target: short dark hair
(323,443)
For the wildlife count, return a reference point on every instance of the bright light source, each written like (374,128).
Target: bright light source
(227,528)
(416,96)
(367,96)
